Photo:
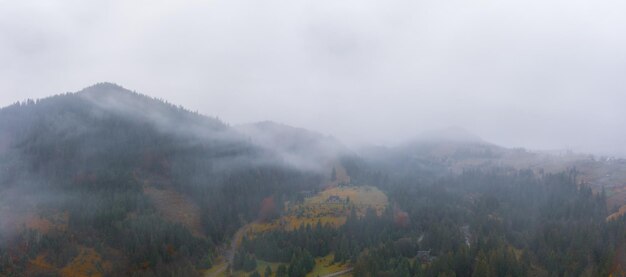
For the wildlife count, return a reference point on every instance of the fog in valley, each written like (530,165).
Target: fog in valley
(533,74)
(234,138)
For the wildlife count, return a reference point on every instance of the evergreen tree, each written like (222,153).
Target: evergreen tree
(268,271)
(281,271)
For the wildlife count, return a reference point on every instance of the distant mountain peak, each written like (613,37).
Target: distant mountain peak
(104,87)
(107,85)
(111,93)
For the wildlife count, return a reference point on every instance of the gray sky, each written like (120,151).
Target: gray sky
(534,73)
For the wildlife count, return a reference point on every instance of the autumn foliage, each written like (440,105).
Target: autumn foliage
(400,217)
(268,209)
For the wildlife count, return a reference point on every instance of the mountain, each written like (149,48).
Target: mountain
(454,150)
(110,182)
(300,147)
(434,154)
(136,185)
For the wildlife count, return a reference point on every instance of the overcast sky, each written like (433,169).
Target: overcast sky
(534,73)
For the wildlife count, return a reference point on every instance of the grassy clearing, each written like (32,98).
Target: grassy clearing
(176,208)
(218,269)
(311,211)
(87,263)
(325,265)
(319,209)
(616,215)
(341,176)
(360,197)
(40,263)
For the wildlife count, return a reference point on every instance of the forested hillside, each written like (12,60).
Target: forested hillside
(109,182)
(480,223)
(75,169)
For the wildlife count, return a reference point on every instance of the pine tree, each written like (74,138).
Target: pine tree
(268,271)
(481,266)
(281,271)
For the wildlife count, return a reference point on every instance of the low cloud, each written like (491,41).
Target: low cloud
(537,74)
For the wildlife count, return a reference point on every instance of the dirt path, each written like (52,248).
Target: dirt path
(229,254)
(218,271)
(338,273)
(234,244)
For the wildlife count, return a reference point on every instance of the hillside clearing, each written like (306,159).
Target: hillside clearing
(176,208)
(331,206)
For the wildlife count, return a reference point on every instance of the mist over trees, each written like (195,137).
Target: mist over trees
(107,169)
(480,223)
(90,155)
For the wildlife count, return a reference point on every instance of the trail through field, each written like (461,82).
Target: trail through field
(339,273)
(217,272)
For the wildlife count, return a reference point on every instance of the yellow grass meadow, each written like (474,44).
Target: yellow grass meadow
(318,208)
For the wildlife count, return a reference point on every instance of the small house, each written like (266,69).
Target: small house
(334,199)
(424,256)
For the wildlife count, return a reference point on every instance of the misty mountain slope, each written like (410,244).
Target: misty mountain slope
(109,182)
(433,154)
(454,142)
(101,168)
(296,146)
(106,120)
(458,151)
(108,127)
(454,150)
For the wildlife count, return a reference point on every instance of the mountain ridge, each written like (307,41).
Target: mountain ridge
(149,188)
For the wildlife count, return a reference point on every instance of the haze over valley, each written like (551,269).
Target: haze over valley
(107,181)
(235,138)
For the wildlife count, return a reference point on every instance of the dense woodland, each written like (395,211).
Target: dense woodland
(92,154)
(66,153)
(482,223)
